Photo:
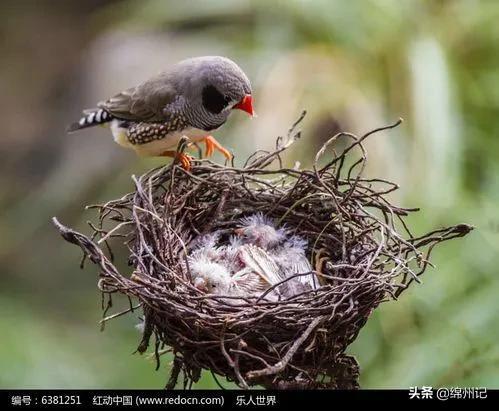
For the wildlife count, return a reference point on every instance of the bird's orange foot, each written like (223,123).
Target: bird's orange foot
(212,145)
(184,159)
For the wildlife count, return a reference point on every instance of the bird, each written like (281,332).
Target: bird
(257,275)
(205,247)
(259,230)
(258,264)
(231,268)
(286,250)
(210,276)
(258,257)
(291,258)
(191,99)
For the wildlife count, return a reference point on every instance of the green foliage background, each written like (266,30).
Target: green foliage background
(354,65)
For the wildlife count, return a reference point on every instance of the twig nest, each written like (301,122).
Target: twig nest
(357,245)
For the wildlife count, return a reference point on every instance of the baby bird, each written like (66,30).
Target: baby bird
(233,269)
(206,247)
(259,266)
(215,278)
(291,258)
(287,251)
(209,276)
(256,260)
(260,231)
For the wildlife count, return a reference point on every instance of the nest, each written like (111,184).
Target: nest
(358,244)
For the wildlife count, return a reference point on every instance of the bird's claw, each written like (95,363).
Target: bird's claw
(184,159)
(212,145)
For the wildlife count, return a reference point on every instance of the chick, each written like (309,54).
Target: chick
(206,247)
(260,231)
(261,272)
(230,254)
(215,278)
(258,257)
(291,259)
(209,276)
(287,251)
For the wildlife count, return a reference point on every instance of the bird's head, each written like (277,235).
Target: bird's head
(210,277)
(214,86)
(260,231)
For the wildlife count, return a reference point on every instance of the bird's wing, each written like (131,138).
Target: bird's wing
(262,263)
(293,262)
(300,266)
(247,282)
(146,102)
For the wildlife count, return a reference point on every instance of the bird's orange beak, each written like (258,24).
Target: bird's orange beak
(246,104)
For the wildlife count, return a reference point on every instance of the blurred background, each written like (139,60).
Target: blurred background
(353,65)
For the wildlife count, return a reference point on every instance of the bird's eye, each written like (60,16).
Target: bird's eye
(213,100)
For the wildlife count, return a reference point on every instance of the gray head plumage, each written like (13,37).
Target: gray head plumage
(211,87)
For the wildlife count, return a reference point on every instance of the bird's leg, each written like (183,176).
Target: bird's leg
(183,158)
(212,145)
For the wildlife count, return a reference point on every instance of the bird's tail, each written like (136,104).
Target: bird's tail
(91,118)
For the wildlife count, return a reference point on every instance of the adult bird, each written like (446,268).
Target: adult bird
(192,98)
